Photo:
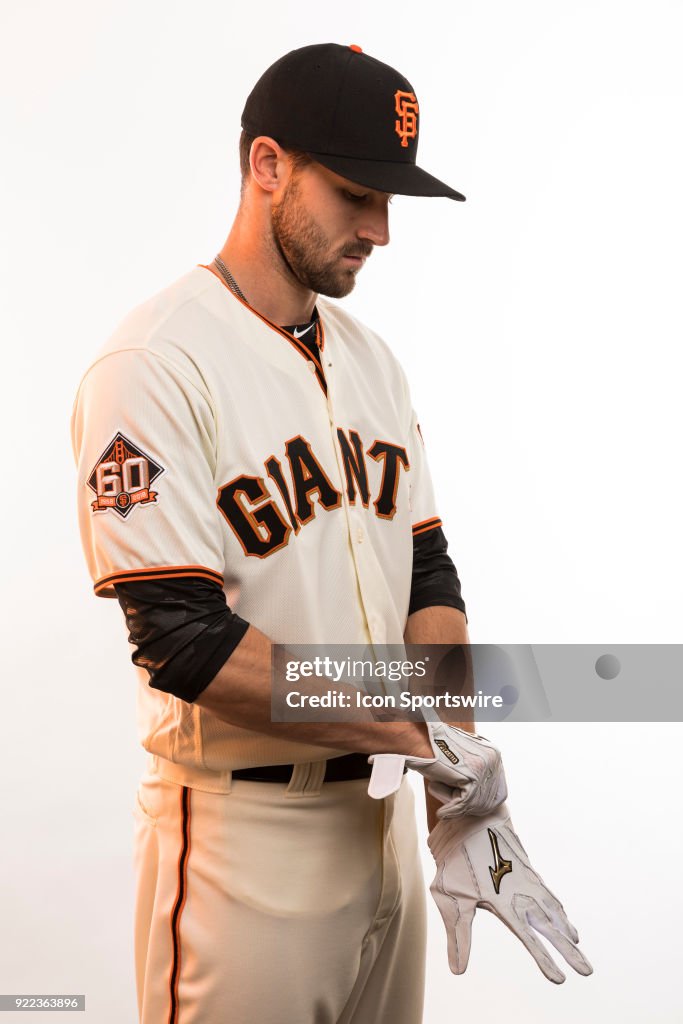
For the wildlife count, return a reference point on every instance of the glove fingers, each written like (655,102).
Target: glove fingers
(466,798)
(562,944)
(563,923)
(442,792)
(535,947)
(455,801)
(457,916)
(555,909)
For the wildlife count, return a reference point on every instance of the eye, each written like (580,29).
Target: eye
(354,197)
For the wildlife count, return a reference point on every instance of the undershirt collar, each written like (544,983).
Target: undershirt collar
(305,332)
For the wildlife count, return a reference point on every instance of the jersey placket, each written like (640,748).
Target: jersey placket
(357,535)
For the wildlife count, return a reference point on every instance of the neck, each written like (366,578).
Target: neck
(263,277)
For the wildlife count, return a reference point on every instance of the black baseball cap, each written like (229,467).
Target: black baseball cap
(347,110)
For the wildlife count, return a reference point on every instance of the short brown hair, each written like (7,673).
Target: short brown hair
(299,157)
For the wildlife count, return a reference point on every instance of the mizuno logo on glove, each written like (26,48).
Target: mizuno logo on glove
(501,866)
(447,752)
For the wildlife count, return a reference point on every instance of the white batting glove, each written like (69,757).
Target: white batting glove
(480,862)
(466,773)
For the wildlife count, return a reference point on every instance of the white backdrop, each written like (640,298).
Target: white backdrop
(539,323)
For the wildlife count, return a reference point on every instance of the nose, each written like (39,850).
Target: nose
(375,225)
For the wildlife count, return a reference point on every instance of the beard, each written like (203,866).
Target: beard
(305,249)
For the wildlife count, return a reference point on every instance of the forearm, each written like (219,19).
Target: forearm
(437,625)
(241,694)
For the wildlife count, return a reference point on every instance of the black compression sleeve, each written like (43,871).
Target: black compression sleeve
(435,579)
(183,632)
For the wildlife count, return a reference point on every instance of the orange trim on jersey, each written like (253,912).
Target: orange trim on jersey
(300,347)
(179,902)
(425,525)
(167,572)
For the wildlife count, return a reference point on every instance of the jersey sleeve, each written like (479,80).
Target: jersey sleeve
(424,516)
(144,440)
(435,578)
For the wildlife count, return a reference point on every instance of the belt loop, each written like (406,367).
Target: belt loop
(316,778)
(306,780)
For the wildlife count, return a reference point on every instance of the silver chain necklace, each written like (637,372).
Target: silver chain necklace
(228,278)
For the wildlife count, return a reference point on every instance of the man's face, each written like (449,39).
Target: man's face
(325,227)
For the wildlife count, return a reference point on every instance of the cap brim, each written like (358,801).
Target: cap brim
(386,176)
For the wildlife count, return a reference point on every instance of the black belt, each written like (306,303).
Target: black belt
(337,769)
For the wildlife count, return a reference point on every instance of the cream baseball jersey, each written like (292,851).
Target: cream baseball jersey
(211,444)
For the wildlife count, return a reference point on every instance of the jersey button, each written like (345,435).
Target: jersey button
(360,534)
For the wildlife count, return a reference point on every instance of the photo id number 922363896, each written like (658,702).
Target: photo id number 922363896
(34,1001)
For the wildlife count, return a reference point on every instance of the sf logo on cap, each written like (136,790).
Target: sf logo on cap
(407,110)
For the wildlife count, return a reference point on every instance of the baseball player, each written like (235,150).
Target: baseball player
(251,472)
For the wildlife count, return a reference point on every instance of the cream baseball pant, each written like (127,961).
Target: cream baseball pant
(278,904)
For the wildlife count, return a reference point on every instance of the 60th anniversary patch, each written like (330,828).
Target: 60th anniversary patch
(122,477)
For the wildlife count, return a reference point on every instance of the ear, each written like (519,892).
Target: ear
(269,164)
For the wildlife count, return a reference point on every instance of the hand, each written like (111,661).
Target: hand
(466,772)
(480,862)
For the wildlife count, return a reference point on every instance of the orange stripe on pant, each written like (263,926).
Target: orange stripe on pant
(181,897)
